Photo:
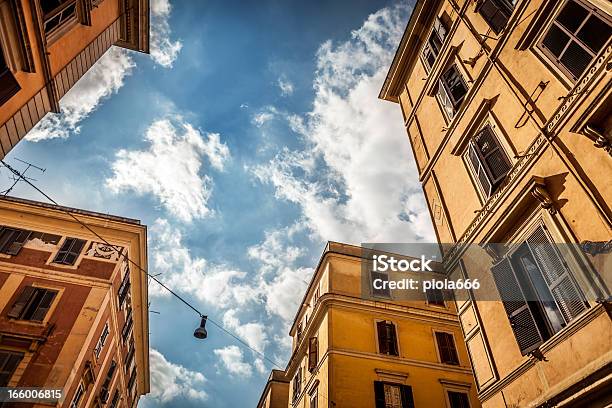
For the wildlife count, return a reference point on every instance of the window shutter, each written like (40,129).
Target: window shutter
(313,353)
(521,319)
(440,29)
(20,237)
(383,341)
(21,303)
(445,101)
(407,399)
(44,305)
(447,349)
(392,338)
(479,169)
(379,394)
(8,364)
(70,251)
(556,274)
(492,155)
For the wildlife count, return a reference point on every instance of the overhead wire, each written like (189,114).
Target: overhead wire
(130,261)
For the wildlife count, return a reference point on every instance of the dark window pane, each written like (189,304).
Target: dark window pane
(435,42)
(595,33)
(576,59)
(455,86)
(458,399)
(555,40)
(498,165)
(572,15)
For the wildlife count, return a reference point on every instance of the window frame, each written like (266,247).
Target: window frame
(439,349)
(436,302)
(434,30)
(502,146)
(377,336)
(313,353)
(553,61)
(18,239)
(443,91)
(33,288)
(101,340)
(80,392)
(10,373)
(448,391)
(61,262)
(499,4)
(406,395)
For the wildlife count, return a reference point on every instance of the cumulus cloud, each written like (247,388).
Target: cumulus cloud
(170,168)
(232,359)
(355,177)
(211,283)
(169,380)
(254,333)
(164,51)
(105,78)
(285,86)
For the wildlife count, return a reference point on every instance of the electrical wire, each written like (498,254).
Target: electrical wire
(125,256)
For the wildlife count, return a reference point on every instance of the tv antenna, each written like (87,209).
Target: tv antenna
(22,175)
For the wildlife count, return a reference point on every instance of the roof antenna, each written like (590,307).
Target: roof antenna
(22,175)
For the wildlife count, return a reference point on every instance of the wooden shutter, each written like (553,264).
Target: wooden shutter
(44,305)
(379,394)
(447,349)
(8,364)
(407,399)
(20,237)
(313,353)
(556,274)
(21,302)
(383,340)
(496,13)
(70,251)
(524,326)
(392,338)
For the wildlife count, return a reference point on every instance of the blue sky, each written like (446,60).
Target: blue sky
(249,137)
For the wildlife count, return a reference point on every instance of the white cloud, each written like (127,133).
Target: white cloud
(170,167)
(285,86)
(169,380)
(104,78)
(233,360)
(253,332)
(355,180)
(164,51)
(212,283)
(264,116)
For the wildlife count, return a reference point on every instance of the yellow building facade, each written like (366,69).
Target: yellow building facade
(507,104)
(73,311)
(46,46)
(352,351)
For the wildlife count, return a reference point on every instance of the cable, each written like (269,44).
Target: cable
(124,255)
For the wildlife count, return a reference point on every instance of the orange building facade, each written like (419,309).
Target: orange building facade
(508,108)
(73,311)
(47,45)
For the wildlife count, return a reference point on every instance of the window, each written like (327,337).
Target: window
(12,240)
(314,399)
(56,13)
(101,341)
(77,396)
(313,353)
(8,84)
(387,338)
(130,356)
(297,383)
(446,348)
(124,289)
(132,380)
(537,290)
(299,332)
(104,391)
(458,399)
(575,37)
(389,395)
(69,252)
(488,160)
(434,43)
(435,297)
(32,304)
(8,364)
(127,326)
(115,401)
(496,13)
(451,91)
